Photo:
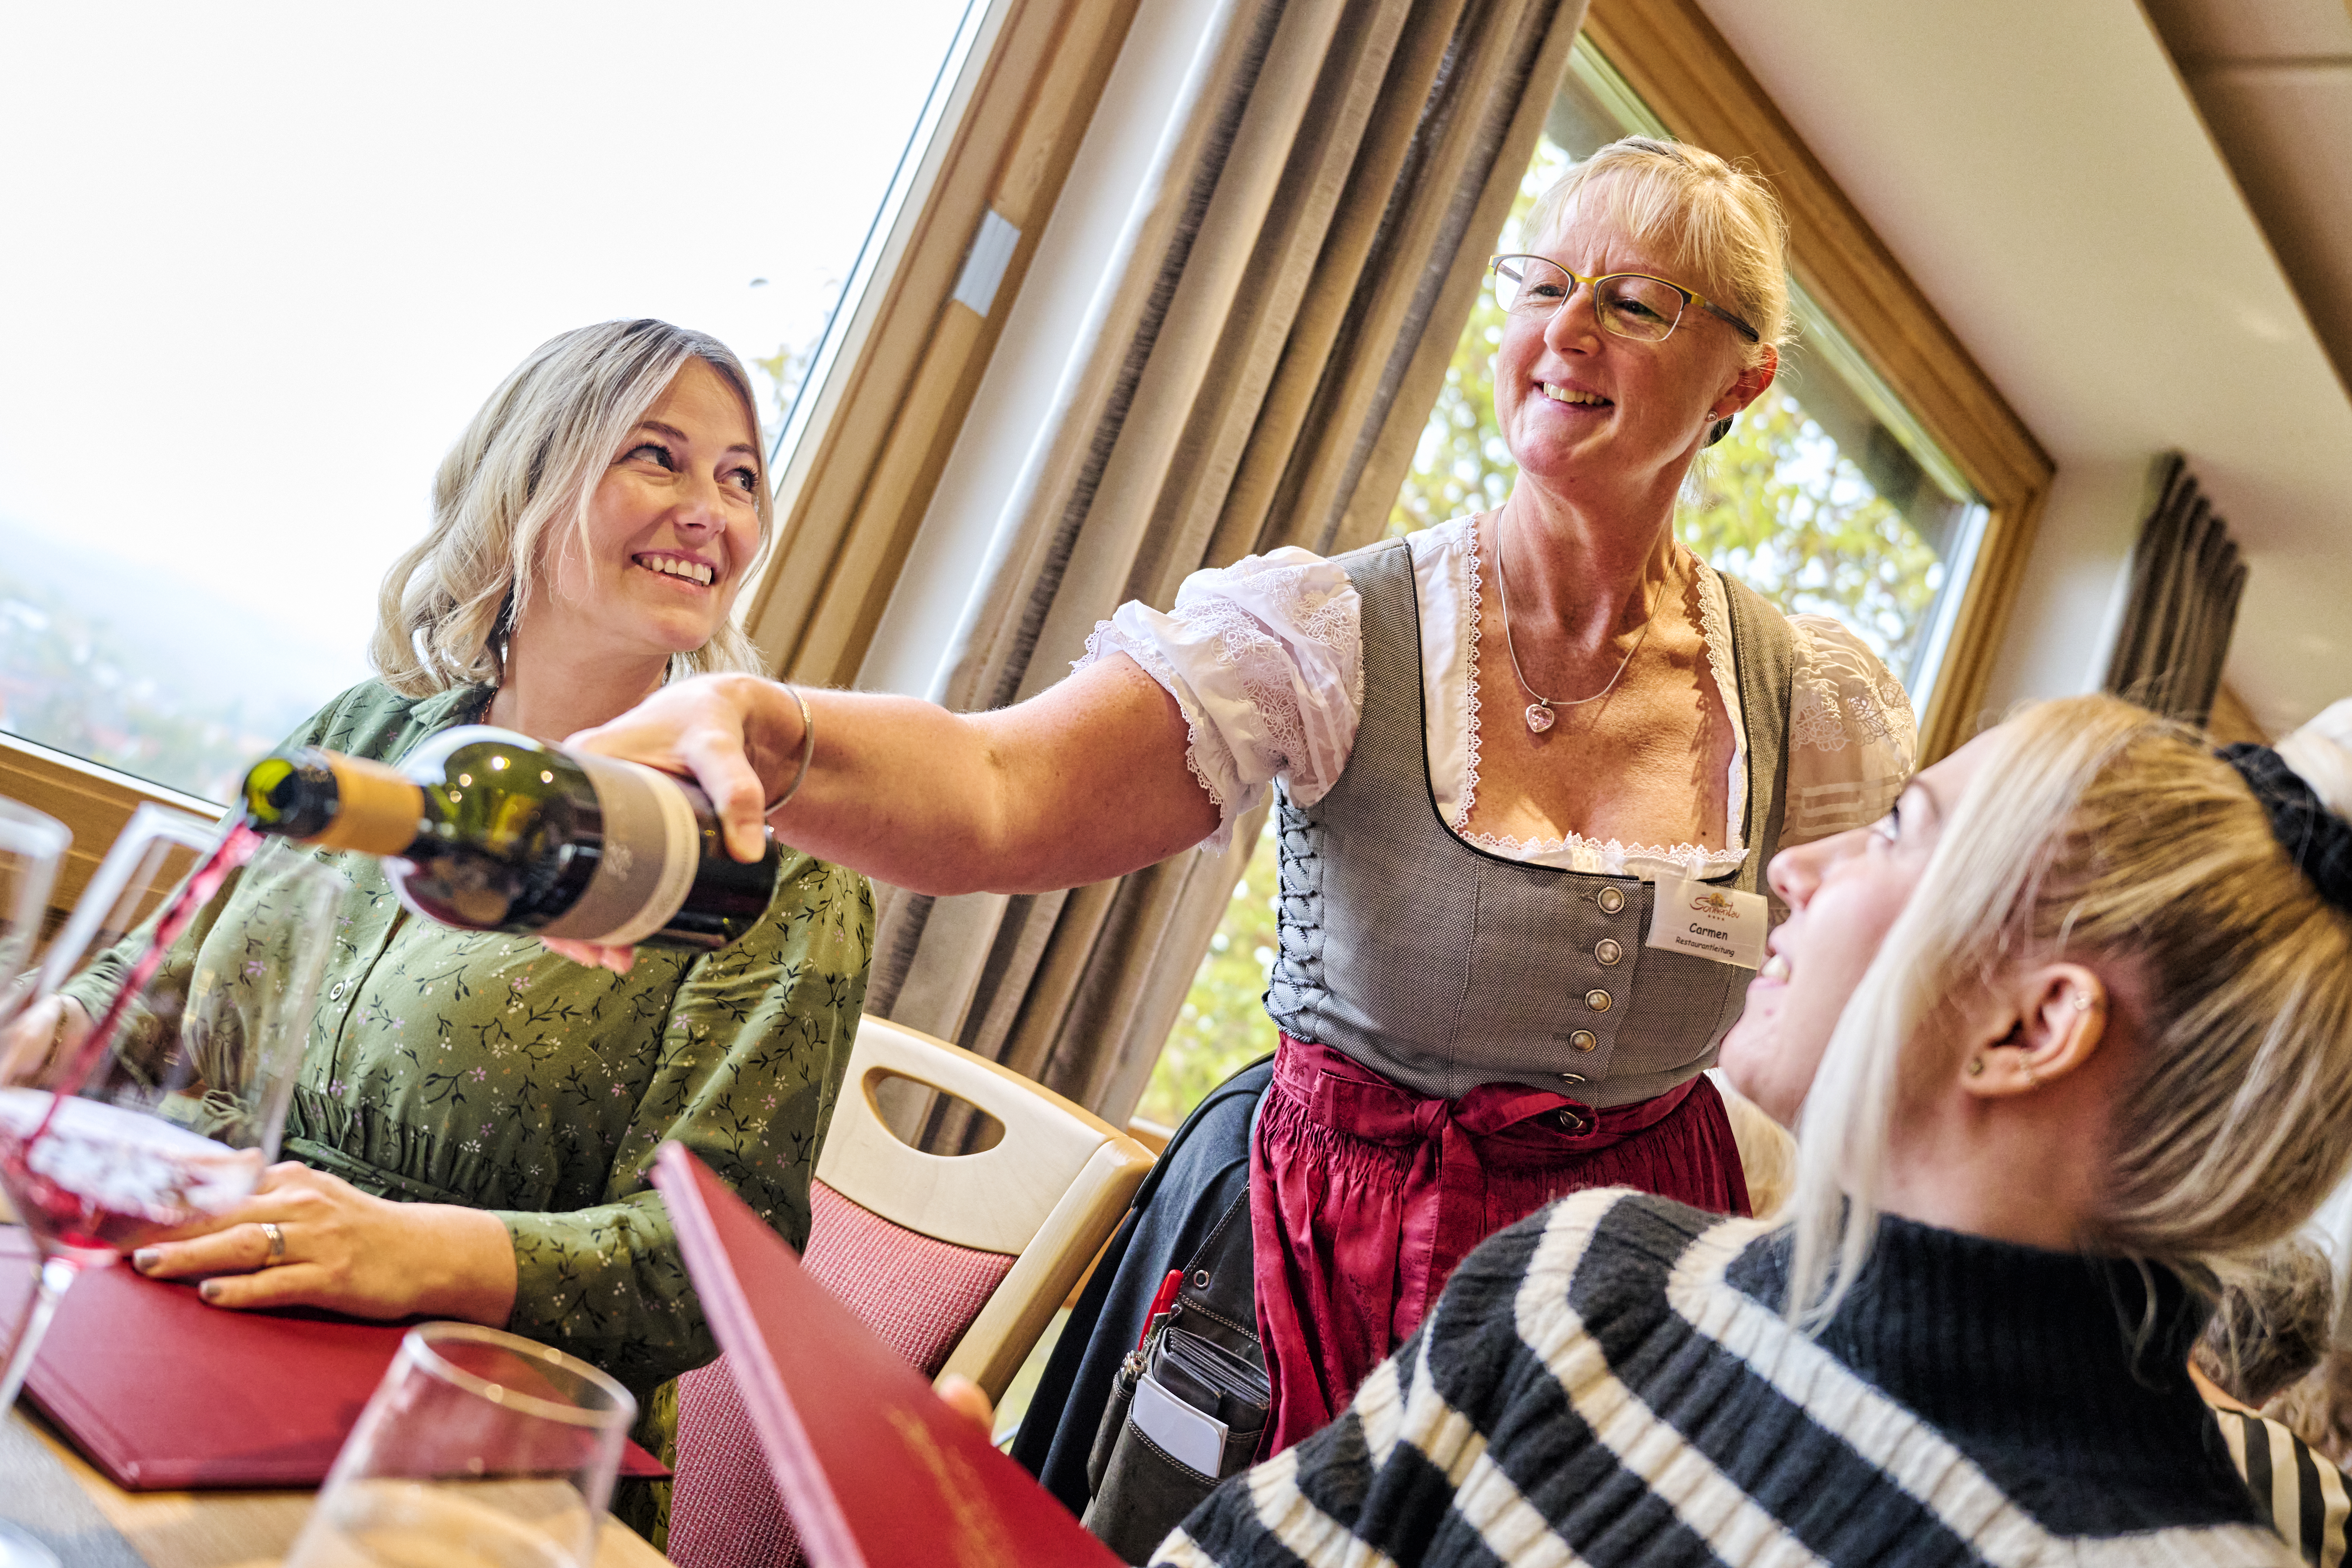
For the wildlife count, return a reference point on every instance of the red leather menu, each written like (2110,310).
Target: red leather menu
(874,1470)
(165,1394)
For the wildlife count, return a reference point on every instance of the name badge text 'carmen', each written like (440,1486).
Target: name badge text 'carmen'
(1717,924)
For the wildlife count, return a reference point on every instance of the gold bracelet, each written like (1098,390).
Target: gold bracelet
(808,754)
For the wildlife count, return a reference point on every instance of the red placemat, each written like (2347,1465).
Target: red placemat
(165,1394)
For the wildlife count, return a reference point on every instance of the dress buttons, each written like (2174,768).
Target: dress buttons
(1612,901)
(1583,1040)
(335,992)
(1599,1001)
(1607,952)
(1573,1077)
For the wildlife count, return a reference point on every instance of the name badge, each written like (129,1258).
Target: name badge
(1710,922)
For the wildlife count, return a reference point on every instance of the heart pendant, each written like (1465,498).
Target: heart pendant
(1539,717)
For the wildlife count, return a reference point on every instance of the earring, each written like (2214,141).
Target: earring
(2031,1081)
(2082,1001)
(1976,1066)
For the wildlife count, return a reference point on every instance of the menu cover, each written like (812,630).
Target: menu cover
(874,1470)
(165,1394)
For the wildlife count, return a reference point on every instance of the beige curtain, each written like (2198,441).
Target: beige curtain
(2187,576)
(1254,371)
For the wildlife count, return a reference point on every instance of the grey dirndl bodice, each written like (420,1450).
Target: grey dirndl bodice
(1442,967)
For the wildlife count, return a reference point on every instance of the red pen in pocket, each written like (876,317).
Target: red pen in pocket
(1162,1300)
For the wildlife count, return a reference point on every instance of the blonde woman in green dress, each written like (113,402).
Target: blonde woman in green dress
(473,1113)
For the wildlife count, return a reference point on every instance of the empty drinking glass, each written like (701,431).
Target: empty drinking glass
(479,1449)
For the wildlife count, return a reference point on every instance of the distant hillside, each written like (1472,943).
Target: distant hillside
(119,662)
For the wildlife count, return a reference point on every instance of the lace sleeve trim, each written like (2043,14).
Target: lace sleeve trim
(1199,737)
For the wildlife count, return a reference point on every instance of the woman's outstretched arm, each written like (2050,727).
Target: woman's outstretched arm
(1086,780)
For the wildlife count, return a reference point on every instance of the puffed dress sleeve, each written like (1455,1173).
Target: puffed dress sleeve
(1265,660)
(1852,738)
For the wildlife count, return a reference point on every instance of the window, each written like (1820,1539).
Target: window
(266,269)
(1827,496)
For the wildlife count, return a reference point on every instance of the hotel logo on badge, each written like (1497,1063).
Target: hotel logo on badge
(1712,903)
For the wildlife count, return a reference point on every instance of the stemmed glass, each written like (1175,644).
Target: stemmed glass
(31,845)
(169,1106)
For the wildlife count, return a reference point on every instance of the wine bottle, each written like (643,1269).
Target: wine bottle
(494,831)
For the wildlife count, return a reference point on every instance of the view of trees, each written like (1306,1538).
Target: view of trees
(1775,504)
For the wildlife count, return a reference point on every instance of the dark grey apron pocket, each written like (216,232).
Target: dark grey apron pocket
(1144,1494)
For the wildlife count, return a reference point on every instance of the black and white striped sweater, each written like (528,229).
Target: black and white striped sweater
(1611,1382)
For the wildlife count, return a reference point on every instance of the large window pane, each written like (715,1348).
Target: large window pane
(1826,496)
(268,261)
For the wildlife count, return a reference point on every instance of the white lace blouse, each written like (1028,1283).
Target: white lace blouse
(1265,658)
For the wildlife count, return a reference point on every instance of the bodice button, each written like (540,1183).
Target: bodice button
(1583,1040)
(1598,1000)
(1607,952)
(1612,901)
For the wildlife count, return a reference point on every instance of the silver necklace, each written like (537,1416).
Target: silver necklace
(1540,716)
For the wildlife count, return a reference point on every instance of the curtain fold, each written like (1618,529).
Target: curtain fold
(1253,372)
(2186,577)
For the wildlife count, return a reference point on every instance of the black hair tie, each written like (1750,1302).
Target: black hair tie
(2319,841)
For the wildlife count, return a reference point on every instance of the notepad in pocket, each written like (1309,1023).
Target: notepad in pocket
(1190,1436)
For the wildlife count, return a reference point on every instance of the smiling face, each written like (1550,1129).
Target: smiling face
(1844,894)
(1582,408)
(672,526)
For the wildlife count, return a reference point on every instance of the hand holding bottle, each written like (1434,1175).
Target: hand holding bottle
(737,736)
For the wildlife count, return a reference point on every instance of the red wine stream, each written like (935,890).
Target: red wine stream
(235,848)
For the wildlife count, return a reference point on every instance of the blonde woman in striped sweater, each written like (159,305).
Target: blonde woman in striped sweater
(2068,1041)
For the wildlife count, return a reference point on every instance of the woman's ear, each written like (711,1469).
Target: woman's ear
(2056,1015)
(1749,384)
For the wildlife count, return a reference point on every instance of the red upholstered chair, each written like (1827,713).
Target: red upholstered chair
(958,1262)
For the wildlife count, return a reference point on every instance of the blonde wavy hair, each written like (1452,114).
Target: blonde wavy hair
(2100,834)
(518,484)
(1720,217)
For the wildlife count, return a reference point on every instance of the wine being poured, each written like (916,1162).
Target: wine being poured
(170,1108)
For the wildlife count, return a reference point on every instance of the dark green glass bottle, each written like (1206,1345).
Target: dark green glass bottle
(494,831)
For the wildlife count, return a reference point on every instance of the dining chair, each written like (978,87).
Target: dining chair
(957,1261)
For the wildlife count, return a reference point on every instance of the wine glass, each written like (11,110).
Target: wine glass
(478,1449)
(169,1105)
(31,845)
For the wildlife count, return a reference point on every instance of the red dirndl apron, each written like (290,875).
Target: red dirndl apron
(1365,1195)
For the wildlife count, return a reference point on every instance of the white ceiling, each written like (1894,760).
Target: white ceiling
(2043,172)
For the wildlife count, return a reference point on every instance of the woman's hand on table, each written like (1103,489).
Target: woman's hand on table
(45,1032)
(342,1250)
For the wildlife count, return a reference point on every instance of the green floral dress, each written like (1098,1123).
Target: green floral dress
(462,1067)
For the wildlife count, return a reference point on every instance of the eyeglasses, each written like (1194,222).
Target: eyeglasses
(1630,304)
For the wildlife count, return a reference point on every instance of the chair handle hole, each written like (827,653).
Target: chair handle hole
(926,1117)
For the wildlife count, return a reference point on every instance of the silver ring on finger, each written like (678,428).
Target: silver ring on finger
(276,1238)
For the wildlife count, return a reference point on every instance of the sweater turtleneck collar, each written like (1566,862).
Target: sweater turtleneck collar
(2014,1352)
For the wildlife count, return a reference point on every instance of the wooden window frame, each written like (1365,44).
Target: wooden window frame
(1672,55)
(852,497)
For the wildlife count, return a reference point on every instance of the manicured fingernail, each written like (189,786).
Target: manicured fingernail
(145,1258)
(210,1290)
